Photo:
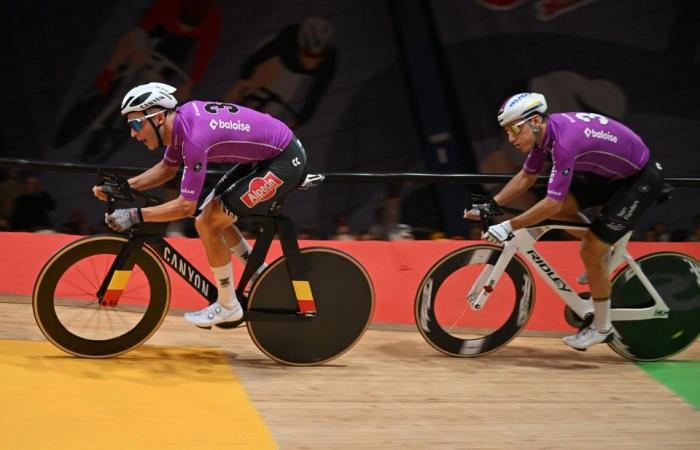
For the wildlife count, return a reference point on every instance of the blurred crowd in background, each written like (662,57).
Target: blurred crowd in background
(26,206)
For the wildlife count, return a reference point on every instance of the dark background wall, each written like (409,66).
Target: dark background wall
(415,87)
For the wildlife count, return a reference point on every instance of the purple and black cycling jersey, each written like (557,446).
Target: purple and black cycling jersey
(221,133)
(586,142)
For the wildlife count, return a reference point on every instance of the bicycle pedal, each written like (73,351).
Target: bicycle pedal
(229,325)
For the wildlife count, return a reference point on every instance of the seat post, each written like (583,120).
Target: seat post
(298,272)
(259,251)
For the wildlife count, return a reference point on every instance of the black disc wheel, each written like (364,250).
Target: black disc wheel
(69,314)
(677,279)
(445,317)
(344,298)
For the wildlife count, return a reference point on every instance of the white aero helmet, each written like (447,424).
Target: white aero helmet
(521,106)
(315,35)
(147,96)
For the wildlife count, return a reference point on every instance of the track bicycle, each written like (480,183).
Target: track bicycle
(102,296)
(475,300)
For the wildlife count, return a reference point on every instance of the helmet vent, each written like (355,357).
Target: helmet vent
(140,99)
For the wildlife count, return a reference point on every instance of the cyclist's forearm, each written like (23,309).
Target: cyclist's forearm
(516,187)
(153,177)
(176,209)
(544,209)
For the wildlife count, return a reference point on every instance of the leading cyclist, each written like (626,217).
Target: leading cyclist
(271,163)
(596,161)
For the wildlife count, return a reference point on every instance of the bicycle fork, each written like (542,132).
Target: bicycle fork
(117,277)
(489,276)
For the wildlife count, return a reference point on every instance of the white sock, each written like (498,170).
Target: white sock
(242,250)
(224,283)
(601,315)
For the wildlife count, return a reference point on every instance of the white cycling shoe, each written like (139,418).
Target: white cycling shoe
(215,314)
(587,337)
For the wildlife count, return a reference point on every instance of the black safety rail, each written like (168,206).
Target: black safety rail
(336,177)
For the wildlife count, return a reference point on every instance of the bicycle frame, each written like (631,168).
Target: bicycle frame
(152,236)
(523,242)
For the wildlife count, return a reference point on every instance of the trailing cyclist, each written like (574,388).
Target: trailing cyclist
(596,161)
(270,163)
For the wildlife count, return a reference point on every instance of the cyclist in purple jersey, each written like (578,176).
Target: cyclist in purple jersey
(596,161)
(271,163)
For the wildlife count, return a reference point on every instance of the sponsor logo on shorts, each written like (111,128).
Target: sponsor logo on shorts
(565,172)
(615,226)
(198,167)
(644,188)
(627,213)
(261,189)
(600,134)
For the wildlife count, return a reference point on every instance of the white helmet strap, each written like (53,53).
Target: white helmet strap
(157,127)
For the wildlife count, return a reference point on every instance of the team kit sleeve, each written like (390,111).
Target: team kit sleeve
(172,156)
(195,171)
(534,162)
(561,175)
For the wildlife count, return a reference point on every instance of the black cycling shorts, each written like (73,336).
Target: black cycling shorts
(624,200)
(257,188)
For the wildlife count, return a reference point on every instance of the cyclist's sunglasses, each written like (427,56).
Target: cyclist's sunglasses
(137,123)
(515,128)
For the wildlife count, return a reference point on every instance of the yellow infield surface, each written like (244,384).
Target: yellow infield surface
(151,398)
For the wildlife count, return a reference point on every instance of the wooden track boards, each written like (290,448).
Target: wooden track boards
(394,391)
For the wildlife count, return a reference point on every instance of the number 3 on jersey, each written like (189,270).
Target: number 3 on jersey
(586,117)
(213,108)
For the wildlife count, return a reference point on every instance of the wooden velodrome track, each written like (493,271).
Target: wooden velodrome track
(392,390)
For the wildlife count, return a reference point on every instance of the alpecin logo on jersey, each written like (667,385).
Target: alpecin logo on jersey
(600,134)
(261,189)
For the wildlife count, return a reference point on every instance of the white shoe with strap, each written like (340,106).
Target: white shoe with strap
(215,314)
(587,337)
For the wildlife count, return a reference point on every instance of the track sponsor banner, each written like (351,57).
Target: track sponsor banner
(395,267)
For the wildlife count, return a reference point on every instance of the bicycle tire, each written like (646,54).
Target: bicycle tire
(47,301)
(676,277)
(344,298)
(444,289)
